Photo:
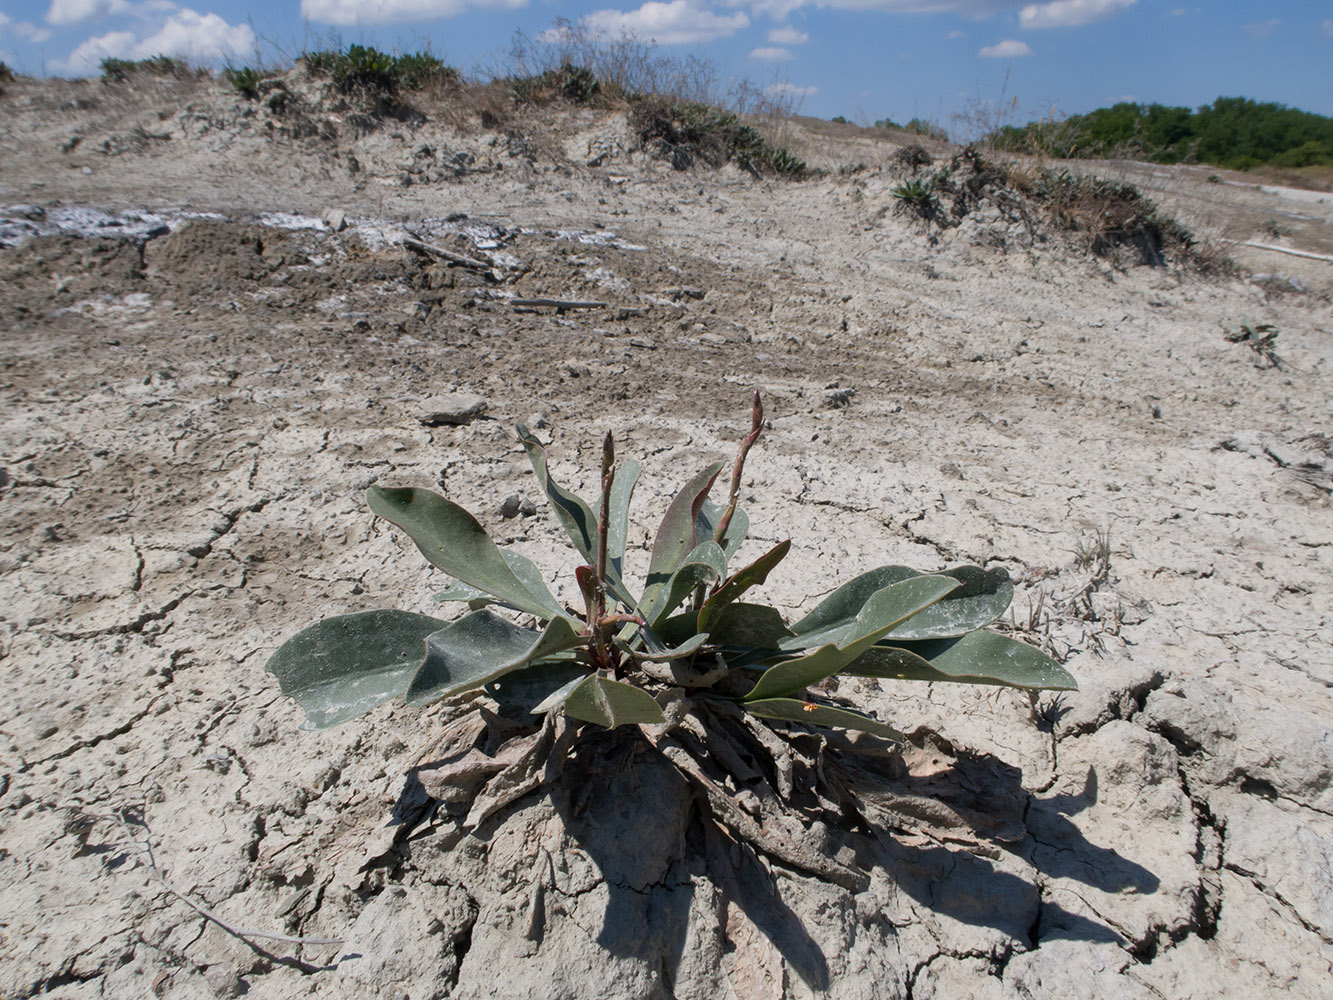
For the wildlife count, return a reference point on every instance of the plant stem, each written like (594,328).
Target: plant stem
(756,426)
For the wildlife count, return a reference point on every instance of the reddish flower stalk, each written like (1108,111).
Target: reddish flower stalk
(756,426)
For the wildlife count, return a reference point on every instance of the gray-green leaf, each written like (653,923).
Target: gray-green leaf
(977,658)
(579,521)
(480,647)
(742,580)
(705,525)
(843,643)
(705,564)
(452,540)
(676,534)
(343,667)
(611,703)
(795,710)
(983,595)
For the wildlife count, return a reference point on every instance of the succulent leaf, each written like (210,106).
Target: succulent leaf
(579,520)
(706,524)
(528,575)
(843,642)
(531,577)
(741,581)
(705,564)
(453,540)
(750,626)
(796,710)
(527,688)
(676,536)
(480,647)
(611,703)
(557,697)
(575,515)
(342,667)
(982,596)
(617,526)
(664,655)
(976,658)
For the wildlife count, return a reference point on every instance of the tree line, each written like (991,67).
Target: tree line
(1232,132)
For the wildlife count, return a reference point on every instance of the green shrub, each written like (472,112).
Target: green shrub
(416,70)
(686,633)
(689,131)
(1310,154)
(919,126)
(568,82)
(362,69)
(121,70)
(917,194)
(246,80)
(1110,214)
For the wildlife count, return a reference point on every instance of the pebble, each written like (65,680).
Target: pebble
(510,506)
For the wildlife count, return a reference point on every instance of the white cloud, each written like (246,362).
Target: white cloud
(789,90)
(1007,49)
(186,34)
(89,55)
(679,22)
(350,13)
(968,8)
(1070,13)
(1262,29)
(1327,28)
(776,9)
(199,38)
(787,35)
(956,34)
(23,29)
(78,11)
(771,54)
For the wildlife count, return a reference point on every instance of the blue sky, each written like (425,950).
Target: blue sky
(864,59)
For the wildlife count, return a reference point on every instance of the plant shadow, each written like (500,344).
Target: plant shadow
(938,822)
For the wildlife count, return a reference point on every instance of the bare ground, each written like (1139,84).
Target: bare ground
(194,407)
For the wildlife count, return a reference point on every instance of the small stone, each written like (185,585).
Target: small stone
(527,508)
(576,368)
(43,726)
(417,310)
(453,409)
(223,980)
(33,213)
(510,506)
(643,342)
(335,219)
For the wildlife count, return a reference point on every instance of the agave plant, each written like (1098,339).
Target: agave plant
(629,652)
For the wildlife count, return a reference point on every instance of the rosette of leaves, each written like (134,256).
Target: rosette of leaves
(629,651)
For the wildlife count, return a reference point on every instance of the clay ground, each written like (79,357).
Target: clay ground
(196,396)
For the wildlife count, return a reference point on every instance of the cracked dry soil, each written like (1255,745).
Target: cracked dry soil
(193,408)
